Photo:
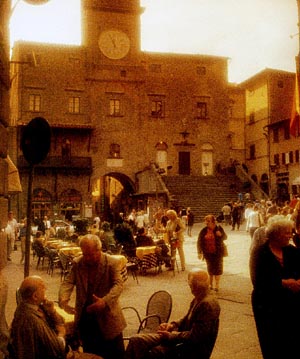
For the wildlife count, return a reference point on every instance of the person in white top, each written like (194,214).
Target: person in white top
(248,210)
(140,220)
(254,220)
(13,224)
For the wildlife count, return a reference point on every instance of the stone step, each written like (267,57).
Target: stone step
(204,194)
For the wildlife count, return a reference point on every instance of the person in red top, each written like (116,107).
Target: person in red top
(210,247)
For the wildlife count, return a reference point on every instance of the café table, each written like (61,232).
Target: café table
(72,251)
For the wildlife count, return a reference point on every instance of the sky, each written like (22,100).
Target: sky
(253,34)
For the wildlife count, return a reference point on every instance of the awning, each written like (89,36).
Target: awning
(14,183)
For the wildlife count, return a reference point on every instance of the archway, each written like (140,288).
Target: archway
(112,195)
(207,159)
(264,183)
(41,203)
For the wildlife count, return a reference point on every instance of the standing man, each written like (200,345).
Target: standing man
(13,224)
(47,225)
(190,221)
(99,321)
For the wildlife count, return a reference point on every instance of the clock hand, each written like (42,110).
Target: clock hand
(113,40)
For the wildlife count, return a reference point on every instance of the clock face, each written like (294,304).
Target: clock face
(114,44)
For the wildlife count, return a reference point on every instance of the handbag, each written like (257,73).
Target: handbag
(174,242)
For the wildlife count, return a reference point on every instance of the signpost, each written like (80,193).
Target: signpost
(35,144)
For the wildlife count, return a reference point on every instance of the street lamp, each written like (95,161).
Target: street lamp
(29,2)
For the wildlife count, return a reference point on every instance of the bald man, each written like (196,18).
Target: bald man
(37,331)
(99,320)
(196,331)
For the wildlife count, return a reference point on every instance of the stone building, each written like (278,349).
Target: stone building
(115,110)
(272,154)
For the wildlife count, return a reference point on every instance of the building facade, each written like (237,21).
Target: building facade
(114,110)
(272,154)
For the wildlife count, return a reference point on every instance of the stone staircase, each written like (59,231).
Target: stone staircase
(204,194)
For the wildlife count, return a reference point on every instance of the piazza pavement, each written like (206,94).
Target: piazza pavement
(237,338)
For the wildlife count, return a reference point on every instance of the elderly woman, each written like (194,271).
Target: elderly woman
(275,275)
(175,236)
(211,248)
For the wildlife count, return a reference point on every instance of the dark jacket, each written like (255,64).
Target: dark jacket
(219,241)
(198,329)
(276,308)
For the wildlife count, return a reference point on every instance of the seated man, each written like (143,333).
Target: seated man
(36,332)
(142,240)
(195,333)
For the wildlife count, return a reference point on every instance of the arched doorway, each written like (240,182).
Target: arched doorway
(207,159)
(264,183)
(162,155)
(112,195)
(282,193)
(41,203)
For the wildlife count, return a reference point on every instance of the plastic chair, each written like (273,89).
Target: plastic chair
(158,311)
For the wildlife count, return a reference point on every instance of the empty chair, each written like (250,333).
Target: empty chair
(158,311)
(66,263)
(133,268)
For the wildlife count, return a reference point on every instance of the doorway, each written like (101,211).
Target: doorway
(184,163)
(207,160)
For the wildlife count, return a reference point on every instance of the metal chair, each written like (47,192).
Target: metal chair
(39,250)
(159,308)
(53,260)
(66,263)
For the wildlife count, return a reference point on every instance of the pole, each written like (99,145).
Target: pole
(298,6)
(28,222)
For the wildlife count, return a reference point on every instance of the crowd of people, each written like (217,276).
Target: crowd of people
(96,278)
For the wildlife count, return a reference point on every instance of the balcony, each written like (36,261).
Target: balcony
(59,165)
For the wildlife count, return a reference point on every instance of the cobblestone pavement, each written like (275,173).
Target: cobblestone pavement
(237,337)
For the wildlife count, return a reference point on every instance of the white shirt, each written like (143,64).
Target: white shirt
(254,219)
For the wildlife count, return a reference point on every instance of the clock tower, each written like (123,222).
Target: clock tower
(111,30)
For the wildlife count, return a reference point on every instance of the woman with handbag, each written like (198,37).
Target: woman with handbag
(211,248)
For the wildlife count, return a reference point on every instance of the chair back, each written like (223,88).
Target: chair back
(66,263)
(160,303)
(38,248)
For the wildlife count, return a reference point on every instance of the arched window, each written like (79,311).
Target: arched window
(162,155)
(207,159)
